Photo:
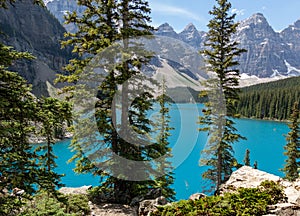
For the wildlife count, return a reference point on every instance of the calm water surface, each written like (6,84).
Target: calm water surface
(264,139)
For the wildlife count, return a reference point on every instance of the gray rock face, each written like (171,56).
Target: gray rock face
(146,207)
(266,51)
(31,28)
(60,8)
(291,36)
(197,196)
(192,36)
(167,31)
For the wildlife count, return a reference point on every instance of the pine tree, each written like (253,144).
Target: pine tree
(222,91)
(97,30)
(247,158)
(292,148)
(162,148)
(17,111)
(52,115)
(102,24)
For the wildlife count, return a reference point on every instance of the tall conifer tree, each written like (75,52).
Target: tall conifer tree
(223,91)
(103,23)
(52,116)
(162,148)
(18,112)
(292,148)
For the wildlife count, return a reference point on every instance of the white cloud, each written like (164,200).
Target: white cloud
(238,12)
(172,10)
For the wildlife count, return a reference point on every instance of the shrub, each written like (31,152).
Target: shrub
(44,204)
(246,201)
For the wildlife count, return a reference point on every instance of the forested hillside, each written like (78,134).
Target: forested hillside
(272,100)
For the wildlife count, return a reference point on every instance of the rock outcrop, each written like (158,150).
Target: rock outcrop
(247,177)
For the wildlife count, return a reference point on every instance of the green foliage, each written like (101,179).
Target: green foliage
(222,92)
(162,148)
(273,100)
(43,204)
(19,111)
(10,205)
(52,114)
(102,24)
(245,201)
(274,190)
(292,148)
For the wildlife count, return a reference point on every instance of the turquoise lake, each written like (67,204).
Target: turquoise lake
(265,140)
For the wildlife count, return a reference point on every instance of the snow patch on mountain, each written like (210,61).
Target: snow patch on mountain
(47,1)
(247,80)
(292,71)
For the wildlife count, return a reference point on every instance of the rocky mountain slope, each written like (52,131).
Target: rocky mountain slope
(60,8)
(31,28)
(270,54)
(178,62)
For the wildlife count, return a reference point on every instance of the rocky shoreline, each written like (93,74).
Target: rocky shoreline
(245,177)
(33,139)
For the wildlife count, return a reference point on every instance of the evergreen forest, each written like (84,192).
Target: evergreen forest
(273,100)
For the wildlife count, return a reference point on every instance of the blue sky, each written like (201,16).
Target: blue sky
(178,13)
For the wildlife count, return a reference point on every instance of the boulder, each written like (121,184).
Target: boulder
(197,196)
(148,206)
(75,190)
(153,193)
(109,209)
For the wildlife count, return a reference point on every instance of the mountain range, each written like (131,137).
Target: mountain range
(270,54)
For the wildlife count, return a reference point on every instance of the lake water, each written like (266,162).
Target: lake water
(265,141)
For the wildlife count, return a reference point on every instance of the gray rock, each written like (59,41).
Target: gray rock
(197,196)
(152,194)
(285,209)
(75,190)
(148,206)
(32,28)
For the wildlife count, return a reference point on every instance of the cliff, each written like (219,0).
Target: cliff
(32,28)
